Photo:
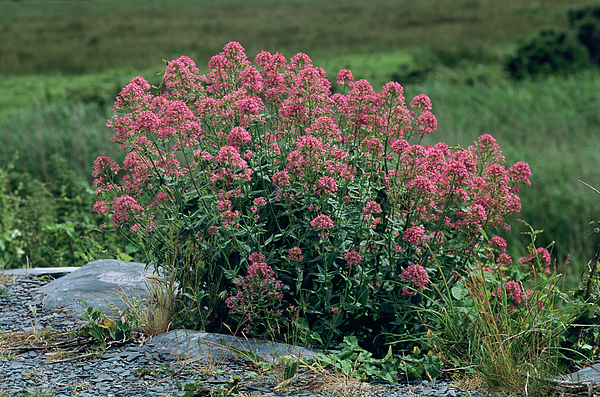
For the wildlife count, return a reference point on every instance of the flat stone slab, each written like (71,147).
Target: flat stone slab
(101,284)
(588,374)
(41,271)
(185,344)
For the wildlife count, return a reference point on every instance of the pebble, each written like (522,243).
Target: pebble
(131,370)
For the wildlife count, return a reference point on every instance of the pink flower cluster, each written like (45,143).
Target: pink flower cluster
(213,117)
(498,242)
(353,258)
(370,209)
(514,291)
(414,235)
(295,254)
(538,261)
(326,185)
(417,276)
(322,222)
(259,295)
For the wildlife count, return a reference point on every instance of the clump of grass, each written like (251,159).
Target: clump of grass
(158,317)
(518,351)
(155,313)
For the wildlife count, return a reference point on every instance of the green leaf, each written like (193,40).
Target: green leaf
(414,372)
(346,366)
(124,257)
(432,365)
(290,367)
(458,291)
(389,357)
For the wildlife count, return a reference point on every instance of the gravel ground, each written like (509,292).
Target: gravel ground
(131,370)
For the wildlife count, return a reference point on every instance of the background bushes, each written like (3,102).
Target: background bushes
(552,51)
(548,52)
(586,23)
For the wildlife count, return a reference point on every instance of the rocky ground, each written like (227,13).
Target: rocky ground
(37,353)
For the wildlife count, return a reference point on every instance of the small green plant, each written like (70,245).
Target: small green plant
(581,341)
(285,368)
(354,360)
(101,329)
(517,332)
(259,362)
(39,335)
(194,389)
(152,371)
(154,314)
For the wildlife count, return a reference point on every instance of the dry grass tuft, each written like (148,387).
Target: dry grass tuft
(338,385)
(157,315)
(5,279)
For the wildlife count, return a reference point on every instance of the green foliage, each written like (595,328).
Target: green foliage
(550,51)
(516,335)
(586,22)
(353,360)
(47,225)
(194,389)
(101,329)
(581,342)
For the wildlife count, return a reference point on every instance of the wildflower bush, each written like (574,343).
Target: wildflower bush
(290,208)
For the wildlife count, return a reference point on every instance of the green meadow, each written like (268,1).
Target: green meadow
(63,63)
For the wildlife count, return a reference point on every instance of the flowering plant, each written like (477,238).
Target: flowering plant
(263,159)
(258,298)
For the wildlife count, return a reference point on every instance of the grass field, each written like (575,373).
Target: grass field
(63,62)
(73,37)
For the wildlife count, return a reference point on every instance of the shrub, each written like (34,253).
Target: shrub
(262,161)
(547,52)
(586,22)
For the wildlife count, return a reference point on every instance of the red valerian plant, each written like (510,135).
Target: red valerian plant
(349,215)
(258,299)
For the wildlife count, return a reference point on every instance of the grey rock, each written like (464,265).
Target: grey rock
(41,271)
(101,284)
(183,344)
(585,375)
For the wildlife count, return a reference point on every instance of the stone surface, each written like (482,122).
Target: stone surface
(56,272)
(101,284)
(588,374)
(181,343)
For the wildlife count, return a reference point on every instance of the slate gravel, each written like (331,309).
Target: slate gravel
(132,370)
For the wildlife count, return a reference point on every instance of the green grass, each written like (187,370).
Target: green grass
(75,37)
(76,131)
